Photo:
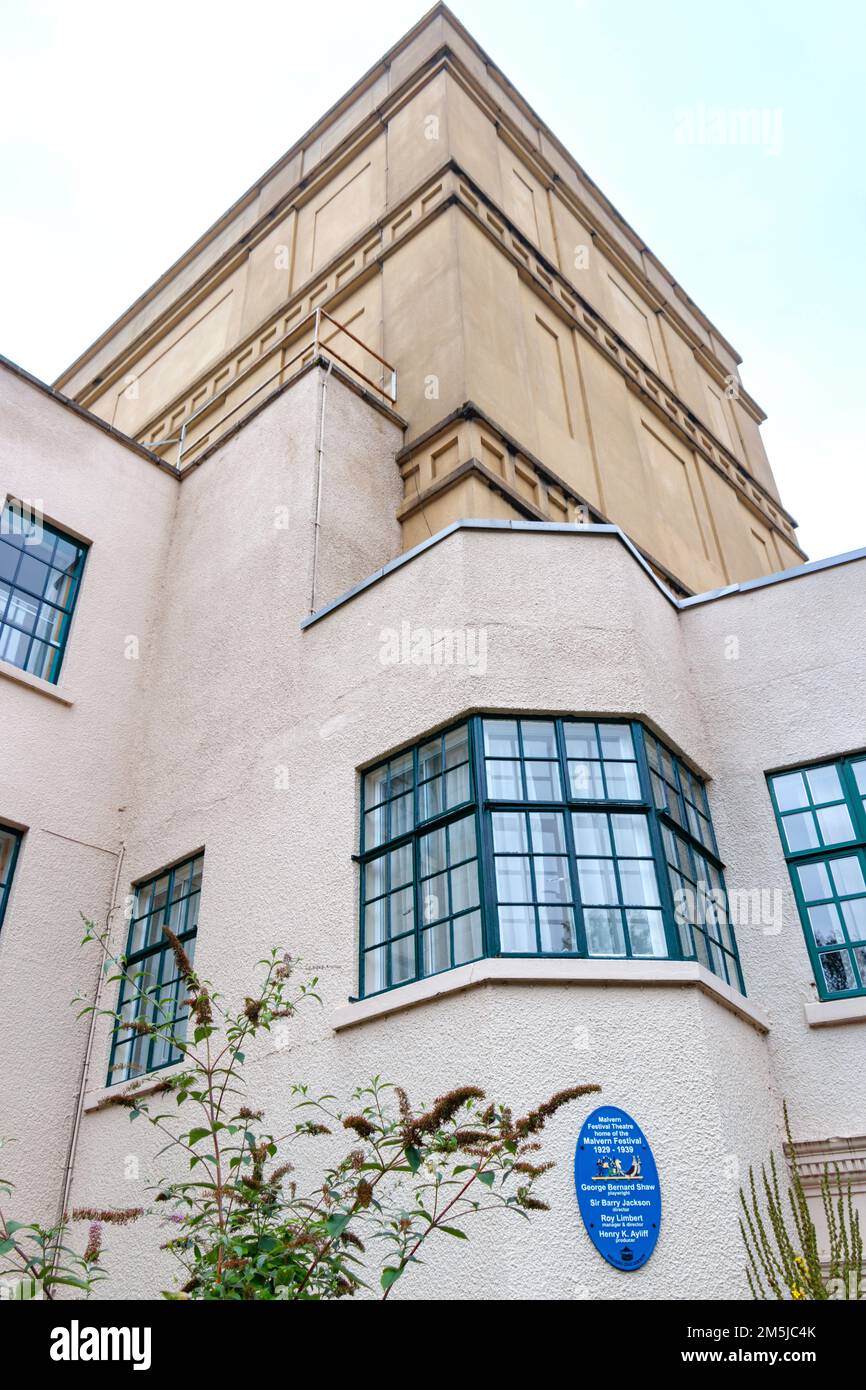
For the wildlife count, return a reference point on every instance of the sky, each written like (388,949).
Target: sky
(127,129)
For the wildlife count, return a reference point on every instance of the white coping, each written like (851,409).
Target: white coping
(822,1013)
(549,971)
(14,673)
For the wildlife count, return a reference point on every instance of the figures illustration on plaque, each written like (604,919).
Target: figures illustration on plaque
(612,1168)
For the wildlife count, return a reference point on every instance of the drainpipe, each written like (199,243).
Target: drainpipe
(88,1051)
(320,460)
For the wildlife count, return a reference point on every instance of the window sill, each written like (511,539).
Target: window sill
(14,673)
(520,970)
(144,1086)
(822,1013)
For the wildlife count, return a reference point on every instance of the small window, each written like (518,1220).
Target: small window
(821,813)
(154,992)
(40,575)
(9,843)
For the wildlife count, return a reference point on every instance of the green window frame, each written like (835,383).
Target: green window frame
(154,991)
(820,812)
(551,836)
(40,577)
(10,844)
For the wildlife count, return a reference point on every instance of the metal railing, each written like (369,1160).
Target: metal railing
(387,388)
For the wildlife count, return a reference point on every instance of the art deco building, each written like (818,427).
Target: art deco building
(402,580)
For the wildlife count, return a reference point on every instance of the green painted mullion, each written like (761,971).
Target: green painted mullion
(484,840)
(626,933)
(663,878)
(853,798)
(571,848)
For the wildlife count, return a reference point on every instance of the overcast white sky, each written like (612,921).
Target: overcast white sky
(125,130)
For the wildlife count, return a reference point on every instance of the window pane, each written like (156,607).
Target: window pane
(402,911)
(860,775)
(517,929)
(826,927)
(580,741)
(814,881)
(638,879)
(434,898)
(548,832)
(503,781)
(430,759)
(646,933)
(401,815)
(400,865)
(433,852)
(431,798)
(464,887)
(623,783)
(376,786)
(586,782)
(604,934)
(457,786)
(509,832)
(597,881)
(500,738)
(467,937)
(790,791)
(557,929)
(847,875)
(552,881)
(800,832)
(513,880)
(824,784)
(591,834)
(542,781)
(403,960)
(374,921)
(457,746)
(631,835)
(854,912)
(374,971)
(837,971)
(835,824)
(461,836)
(436,947)
(616,741)
(539,739)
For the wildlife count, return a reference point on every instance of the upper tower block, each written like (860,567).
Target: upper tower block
(545,360)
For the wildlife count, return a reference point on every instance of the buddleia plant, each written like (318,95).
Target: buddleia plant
(784,1259)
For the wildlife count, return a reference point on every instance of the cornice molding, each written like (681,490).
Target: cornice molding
(445,57)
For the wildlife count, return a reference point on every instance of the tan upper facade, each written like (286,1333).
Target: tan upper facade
(547,365)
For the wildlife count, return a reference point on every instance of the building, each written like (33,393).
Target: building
(419,496)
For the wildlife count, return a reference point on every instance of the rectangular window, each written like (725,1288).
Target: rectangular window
(821,813)
(40,574)
(524,836)
(154,993)
(619,889)
(9,843)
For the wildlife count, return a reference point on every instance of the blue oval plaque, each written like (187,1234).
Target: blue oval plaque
(618,1188)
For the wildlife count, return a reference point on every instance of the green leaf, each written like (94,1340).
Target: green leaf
(453,1231)
(195,1135)
(389,1277)
(413,1158)
(6,1246)
(487,1178)
(336,1225)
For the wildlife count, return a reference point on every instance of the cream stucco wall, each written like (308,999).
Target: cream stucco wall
(241,732)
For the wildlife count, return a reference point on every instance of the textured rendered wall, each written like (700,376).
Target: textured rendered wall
(579,630)
(66,766)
